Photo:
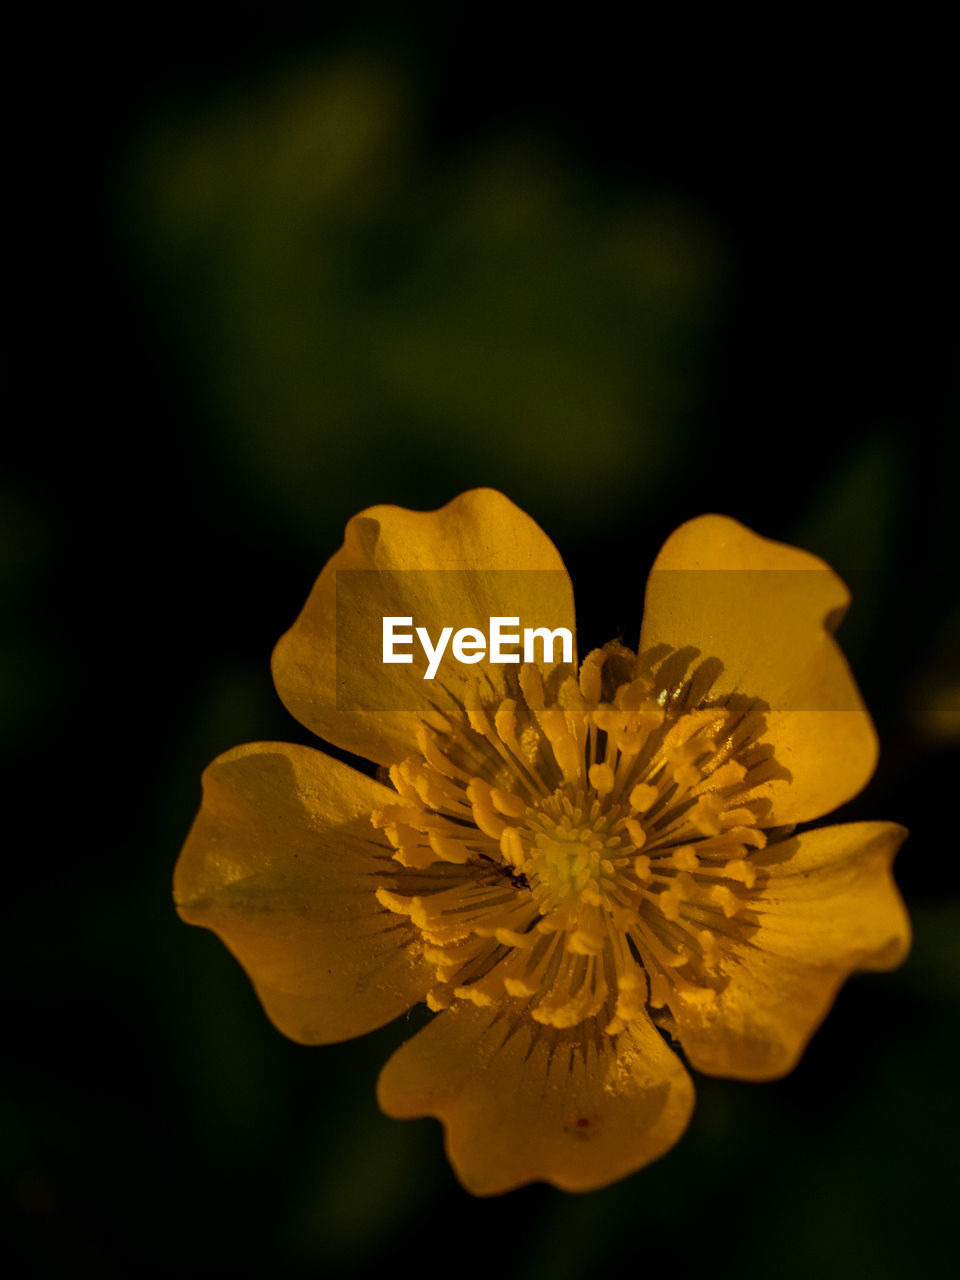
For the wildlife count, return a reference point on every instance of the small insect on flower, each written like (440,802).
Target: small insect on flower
(575,867)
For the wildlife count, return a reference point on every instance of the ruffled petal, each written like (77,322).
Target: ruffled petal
(522,1103)
(825,905)
(476,558)
(283,864)
(767,612)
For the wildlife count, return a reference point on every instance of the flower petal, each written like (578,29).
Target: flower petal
(523,1103)
(282,863)
(826,904)
(767,612)
(476,558)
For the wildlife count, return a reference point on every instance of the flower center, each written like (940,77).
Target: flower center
(580,850)
(566,863)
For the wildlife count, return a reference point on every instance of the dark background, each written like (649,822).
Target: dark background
(271,264)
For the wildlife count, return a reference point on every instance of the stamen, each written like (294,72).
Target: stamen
(583,854)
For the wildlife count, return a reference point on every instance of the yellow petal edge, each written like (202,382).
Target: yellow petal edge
(521,1104)
(478,557)
(283,864)
(767,612)
(829,907)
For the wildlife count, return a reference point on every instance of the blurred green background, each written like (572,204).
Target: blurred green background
(272,264)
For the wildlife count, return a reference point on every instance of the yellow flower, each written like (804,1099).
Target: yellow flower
(568,869)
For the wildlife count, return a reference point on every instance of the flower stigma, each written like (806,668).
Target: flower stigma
(581,849)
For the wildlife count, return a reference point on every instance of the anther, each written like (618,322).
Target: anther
(643,797)
(601,778)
